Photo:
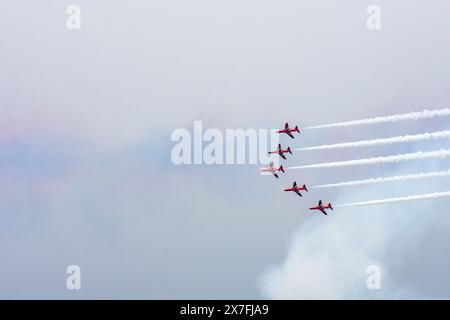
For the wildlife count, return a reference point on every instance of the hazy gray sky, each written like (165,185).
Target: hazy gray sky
(85,170)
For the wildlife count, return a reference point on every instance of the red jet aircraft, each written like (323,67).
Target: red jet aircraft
(322,208)
(297,189)
(281,152)
(288,130)
(273,170)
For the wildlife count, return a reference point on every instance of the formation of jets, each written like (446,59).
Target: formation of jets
(274,170)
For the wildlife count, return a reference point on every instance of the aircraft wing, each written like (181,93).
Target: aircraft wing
(297,192)
(323,211)
(283,156)
(290,135)
(275,175)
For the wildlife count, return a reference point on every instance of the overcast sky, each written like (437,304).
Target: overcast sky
(86,176)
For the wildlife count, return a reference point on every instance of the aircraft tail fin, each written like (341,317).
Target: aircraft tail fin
(304,187)
(281,168)
(330,206)
(296,129)
(289,150)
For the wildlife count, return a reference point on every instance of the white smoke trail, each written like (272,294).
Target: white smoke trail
(430,196)
(425,114)
(380,142)
(437,174)
(379,160)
